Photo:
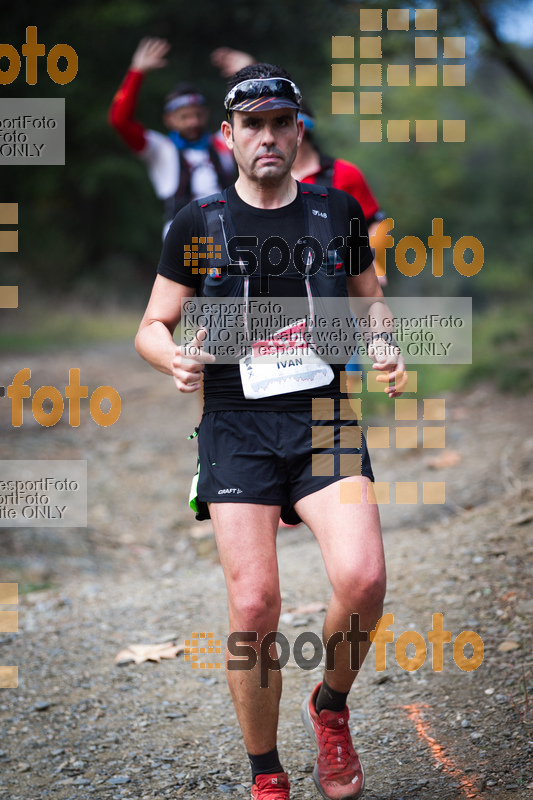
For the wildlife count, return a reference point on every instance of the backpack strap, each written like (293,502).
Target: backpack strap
(219,227)
(318,221)
(182,195)
(327,166)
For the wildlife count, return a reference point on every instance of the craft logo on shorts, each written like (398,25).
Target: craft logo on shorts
(31,51)
(373,73)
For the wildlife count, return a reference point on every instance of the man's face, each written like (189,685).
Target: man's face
(264,143)
(189,121)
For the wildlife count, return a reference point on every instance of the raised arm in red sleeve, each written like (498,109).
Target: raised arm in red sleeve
(122,112)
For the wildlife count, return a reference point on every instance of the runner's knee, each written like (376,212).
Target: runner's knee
(256,610)
(361,591)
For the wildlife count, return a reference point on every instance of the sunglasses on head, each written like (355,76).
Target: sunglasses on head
(258,93)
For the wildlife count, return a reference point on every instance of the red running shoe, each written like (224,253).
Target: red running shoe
(271,787)
(338,773)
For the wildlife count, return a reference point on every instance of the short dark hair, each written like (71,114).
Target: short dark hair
(255,71)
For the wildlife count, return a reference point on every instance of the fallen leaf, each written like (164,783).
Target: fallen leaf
(522,519)
(511,595)
(148,652)
(450,458)
(507,646)
(309,608)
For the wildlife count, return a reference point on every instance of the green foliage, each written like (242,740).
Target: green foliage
(96,224)
(101,204)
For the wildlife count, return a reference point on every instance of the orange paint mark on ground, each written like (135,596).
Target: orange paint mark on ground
(468,785)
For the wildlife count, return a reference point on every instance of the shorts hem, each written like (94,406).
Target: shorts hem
(365,474)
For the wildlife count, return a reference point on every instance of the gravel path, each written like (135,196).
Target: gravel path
(144,571)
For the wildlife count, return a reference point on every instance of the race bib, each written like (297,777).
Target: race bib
(285,363)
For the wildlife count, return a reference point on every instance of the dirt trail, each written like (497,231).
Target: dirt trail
(144,571)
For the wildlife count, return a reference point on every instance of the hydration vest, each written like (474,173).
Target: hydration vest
(227,278)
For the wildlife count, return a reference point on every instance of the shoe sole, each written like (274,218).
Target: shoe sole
(310,728)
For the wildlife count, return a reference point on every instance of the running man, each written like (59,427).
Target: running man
(261,446)
(189,162)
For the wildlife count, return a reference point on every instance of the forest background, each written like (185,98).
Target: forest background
(90,231)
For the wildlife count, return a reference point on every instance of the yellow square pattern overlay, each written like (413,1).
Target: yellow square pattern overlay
(426,131)
(370,130)
(350,464)
(350,409)
(9,296)
(342,103)
(453,130)
(9,241)
(342,46)
(322,436)
(351,382)
(398,19)
(454,47)
(398,75)
(350,436)
(9,677)
(9,214)
(350,492)
(398,130)
(426,74)
(370,103)
(9,620)
(370,19)
(370,47)
(323,408)
(342,75)
(406,437)
(377,437)
(426,19)
(433,493)
(406,493)
(453,75)
(405,409)
(322,465)
(434,437)
(370,75)
(9,593)
(202,643)
(425,47)
(378,492)
(434,409)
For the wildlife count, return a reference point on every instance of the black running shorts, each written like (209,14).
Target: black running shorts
(266,457)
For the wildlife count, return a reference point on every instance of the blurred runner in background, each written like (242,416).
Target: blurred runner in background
(189,162)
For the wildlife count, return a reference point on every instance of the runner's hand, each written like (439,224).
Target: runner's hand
(150,54)
(189,363)
(230,61)
(387,360)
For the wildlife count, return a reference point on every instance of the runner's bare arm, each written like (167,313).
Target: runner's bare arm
(154,340)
